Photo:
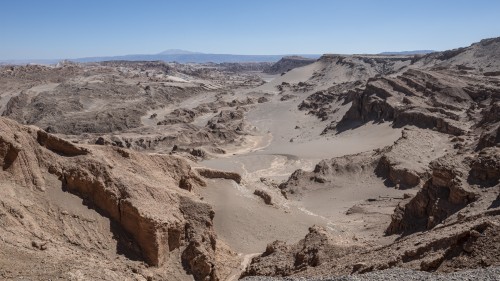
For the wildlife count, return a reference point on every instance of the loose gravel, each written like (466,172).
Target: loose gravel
(486,274)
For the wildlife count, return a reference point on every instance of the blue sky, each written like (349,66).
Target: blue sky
(51,29)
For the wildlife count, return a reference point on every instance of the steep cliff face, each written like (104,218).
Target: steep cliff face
(445,193)
(139,192)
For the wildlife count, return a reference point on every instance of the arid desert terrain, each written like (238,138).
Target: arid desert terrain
(303,168)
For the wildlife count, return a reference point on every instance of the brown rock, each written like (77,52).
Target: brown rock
(264,195)
(214,174)
(443,194)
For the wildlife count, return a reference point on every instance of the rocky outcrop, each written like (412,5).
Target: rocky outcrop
(244,66)
(185,115)
(59,146)
(485,167)
(342,68)
(489,138)
(20,164)
(217,174)
(280,259)
(176,129)
(225,118)
(199,254)
(327,170)
(264,195)
(445,193)
(427,121)
(490,121)
(322,103)
(492,113)
(9,150)
(405,164)
(401,177)
(179,115)
(448,248)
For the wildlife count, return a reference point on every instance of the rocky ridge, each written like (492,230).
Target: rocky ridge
(288,63)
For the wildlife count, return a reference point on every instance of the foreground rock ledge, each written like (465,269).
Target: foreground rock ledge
(138,191)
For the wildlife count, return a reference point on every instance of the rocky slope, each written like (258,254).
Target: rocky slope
(442,100)
(152,217)
(481,57)
(457,207)
(112,96)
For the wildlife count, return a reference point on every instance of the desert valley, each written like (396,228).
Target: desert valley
(301,168)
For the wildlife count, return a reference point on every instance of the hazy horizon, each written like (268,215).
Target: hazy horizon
(66,30)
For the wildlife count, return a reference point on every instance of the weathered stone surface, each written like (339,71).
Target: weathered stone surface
(485,168)
(142,193)
(216,174)
(445,193)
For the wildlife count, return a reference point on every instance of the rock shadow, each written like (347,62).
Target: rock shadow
(125,244)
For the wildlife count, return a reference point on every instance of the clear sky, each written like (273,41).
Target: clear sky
(49,29)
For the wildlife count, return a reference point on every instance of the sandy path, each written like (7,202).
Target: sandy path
(245,261)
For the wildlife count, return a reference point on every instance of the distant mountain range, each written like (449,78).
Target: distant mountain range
(183,56)
(178,52)
(171,55)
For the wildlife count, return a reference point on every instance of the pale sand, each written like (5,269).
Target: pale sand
(246,223)
(300,74)
(242,219)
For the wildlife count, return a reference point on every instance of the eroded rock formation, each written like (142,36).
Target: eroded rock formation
(140,192)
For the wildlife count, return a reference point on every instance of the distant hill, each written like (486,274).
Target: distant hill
(416,52)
